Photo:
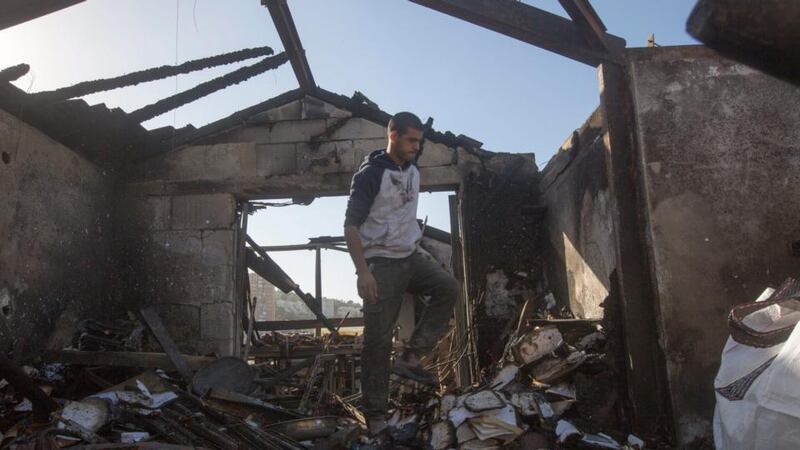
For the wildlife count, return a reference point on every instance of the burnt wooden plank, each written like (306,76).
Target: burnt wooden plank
(121,359)
(528,24)
(153,322)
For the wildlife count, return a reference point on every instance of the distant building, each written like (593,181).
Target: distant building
(266,294)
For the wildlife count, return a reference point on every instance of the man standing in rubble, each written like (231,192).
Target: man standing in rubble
(383,238)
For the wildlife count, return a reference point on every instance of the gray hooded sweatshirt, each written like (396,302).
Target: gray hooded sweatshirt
(383,205)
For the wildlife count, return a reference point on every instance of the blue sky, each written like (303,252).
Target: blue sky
(510,95)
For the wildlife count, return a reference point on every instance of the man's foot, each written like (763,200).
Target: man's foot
(409,366)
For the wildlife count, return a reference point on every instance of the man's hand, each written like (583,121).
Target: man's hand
(367,287)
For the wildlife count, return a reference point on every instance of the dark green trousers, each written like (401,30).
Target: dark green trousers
(417,274)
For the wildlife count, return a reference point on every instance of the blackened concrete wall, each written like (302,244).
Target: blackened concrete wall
(55,226)
(720,154)
(579,239)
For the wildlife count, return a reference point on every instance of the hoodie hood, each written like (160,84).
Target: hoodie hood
(381,159)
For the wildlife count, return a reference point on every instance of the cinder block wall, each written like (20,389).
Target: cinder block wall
(55,234)
(179,256)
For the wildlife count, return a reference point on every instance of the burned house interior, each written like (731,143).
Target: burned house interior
(596,287)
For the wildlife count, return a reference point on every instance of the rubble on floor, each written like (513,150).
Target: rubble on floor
(303,391)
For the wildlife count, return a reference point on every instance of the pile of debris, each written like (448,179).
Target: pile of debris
(530,402)
(226,403)
(549,390)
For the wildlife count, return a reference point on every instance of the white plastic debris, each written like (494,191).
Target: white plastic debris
(489,427)
(567,431)
(536,344)
(24,406)
(505,376)
(600,440)
(525,402)
(635,442)
(131,437)
(484,401)
(142,397)
(90,413)
(459,414)
(549,301)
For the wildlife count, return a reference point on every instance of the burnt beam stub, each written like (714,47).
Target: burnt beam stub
(762,34)
(532,25)
(282,18)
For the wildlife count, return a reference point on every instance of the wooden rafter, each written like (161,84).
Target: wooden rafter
(532,25)
(282,17)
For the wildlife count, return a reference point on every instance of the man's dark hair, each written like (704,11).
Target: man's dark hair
(402,121)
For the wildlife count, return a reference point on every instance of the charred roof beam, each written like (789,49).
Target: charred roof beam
(588,22)
(15,12)
(282,17)
(152,74)
(203,89)
(532,25)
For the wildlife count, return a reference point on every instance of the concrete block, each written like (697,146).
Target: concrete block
(172,244)
(357,128)
(363,147)
(295,131)
(227,160)
(435,155)
(328,157)
(217,321)
(150,213)
(218,248)
(203,212)
(313,108)
(289,111)
(257,134)
(439,177)
(275,159)
(183,324)
(191,283)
